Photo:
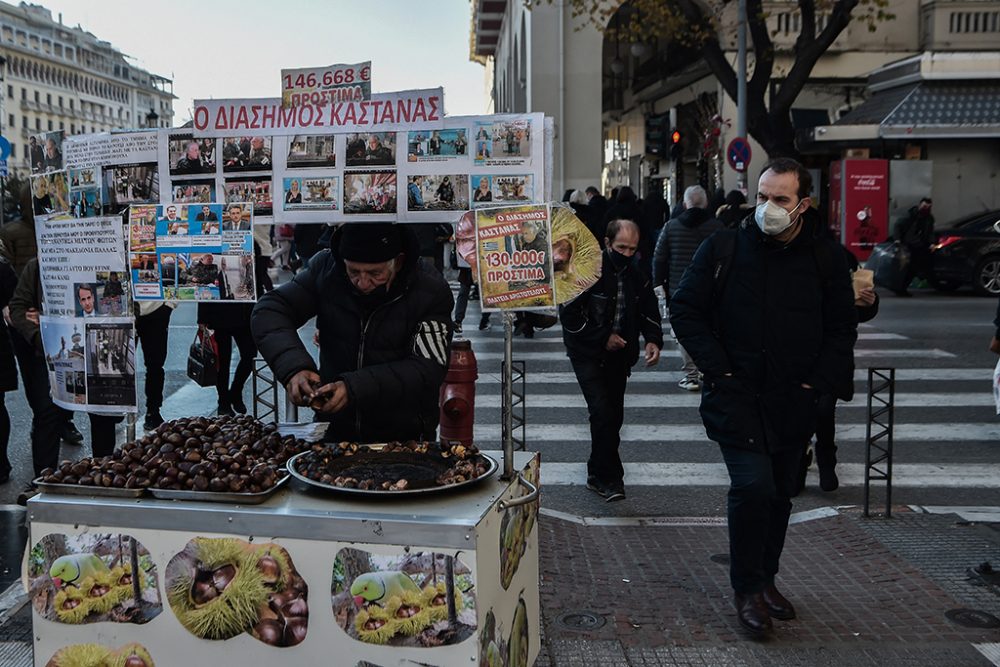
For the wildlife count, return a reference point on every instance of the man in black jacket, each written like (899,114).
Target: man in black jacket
(384,333)
(767,312)
(675,248)
(601,332)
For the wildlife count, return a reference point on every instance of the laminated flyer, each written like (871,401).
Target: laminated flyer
(514,258)
(192,252)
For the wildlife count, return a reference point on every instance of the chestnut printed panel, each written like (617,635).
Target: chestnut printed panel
(95,655)
(497,651)
(222,587)
(402,600)
(515,527)
(93,578)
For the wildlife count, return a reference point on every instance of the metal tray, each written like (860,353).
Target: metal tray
(292,465)
(216,497)
(87,491)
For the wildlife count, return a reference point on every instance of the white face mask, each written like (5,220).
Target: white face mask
(772,219)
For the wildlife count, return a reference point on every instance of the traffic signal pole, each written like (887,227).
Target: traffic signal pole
(741,84)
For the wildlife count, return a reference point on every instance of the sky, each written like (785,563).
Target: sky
(237,48)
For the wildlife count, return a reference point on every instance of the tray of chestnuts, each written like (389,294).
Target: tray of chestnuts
(213,459)
(390,469)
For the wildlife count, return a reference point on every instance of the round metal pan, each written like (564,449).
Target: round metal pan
(418,469)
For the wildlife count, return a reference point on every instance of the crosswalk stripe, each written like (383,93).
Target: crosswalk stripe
(658,433)
(553,354)
(641,375)
(557,340)
(908,475)
(537,399)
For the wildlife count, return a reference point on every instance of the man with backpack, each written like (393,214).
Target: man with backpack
(767,313)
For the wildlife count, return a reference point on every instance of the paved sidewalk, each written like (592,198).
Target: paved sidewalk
(638,594)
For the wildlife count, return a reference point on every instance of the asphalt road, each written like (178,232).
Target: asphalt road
(946,428)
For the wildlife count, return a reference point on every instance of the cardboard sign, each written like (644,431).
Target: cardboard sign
(514,257)
(325,85)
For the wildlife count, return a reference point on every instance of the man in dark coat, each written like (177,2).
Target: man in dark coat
(675,248)
(767,312)
(601,331)
(916,231)
(384,335)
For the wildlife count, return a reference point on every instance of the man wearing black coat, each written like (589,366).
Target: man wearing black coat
(601,332)
(771,323)
(675,248)
(384,335)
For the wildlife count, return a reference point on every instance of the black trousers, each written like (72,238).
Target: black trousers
(4,434)
(603,381)
(102,433)
(47,419)
(826,424)
(758,507)
(248,351)
(152,330)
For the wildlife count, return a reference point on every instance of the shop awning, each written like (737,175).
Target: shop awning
(925,110)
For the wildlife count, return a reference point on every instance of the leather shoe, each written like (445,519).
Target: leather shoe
(777,604)
(752,614)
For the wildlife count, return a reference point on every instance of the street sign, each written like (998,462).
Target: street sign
(738,154)
(4,148)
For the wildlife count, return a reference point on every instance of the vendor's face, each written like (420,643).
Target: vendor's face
(366,277)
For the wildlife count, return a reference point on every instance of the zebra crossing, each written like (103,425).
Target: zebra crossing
(664,443)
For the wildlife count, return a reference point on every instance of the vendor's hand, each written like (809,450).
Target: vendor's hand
(331,397)
(302,387)
(995,346)
(867,295)
(652,354)
(615,342)
(32,316)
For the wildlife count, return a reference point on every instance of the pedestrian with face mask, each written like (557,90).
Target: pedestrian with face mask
(601,331)
(767,313)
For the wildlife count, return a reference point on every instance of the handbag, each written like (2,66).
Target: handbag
(203,358)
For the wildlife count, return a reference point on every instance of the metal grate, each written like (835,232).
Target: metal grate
(265,392)
(878,435)
(518,416)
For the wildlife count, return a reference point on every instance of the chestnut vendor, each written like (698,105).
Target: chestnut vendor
(384,327)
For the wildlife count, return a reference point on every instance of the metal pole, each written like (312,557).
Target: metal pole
(291,410)
(507,406)
(741,82)
(130,420)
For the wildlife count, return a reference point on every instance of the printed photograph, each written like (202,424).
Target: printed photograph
(85,203)
(370,192)
(132,184)
(256,190)
(205,219)
(238,217)
(315,193)
(45,151)
(49,193)
(246,154)
(110,358)
(438,192)
(433,143)
(92,578)
(87,177)
(190,156)
(62,340)
(311,151)
(112,294)
(516,189)
(193,192)
(482,190)
(168,268)
(201,269)
(503,140)
(374,149)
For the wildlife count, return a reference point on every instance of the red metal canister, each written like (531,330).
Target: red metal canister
(458,395)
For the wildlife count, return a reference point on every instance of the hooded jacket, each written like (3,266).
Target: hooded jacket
(678,241)
(392,356)
(779,321)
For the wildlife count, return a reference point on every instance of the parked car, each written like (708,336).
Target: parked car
(968,253)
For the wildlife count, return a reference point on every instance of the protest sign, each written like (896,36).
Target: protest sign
(267,117)
(514,258)
(192,252)
(91,362)
(325,85)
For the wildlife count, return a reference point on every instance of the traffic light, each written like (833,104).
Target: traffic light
(676,147)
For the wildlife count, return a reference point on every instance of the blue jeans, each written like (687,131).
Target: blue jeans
(761,485)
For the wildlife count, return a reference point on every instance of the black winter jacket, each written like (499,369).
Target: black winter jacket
(778,322)
(392,359)
(587,320)
(678,241)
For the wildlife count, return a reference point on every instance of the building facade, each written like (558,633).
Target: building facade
(62,78)
(634,88)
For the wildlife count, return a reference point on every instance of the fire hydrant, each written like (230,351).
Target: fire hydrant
(458,395)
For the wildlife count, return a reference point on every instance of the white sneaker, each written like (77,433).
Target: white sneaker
(688,384)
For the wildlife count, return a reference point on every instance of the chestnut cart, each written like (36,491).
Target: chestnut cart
(303,578)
